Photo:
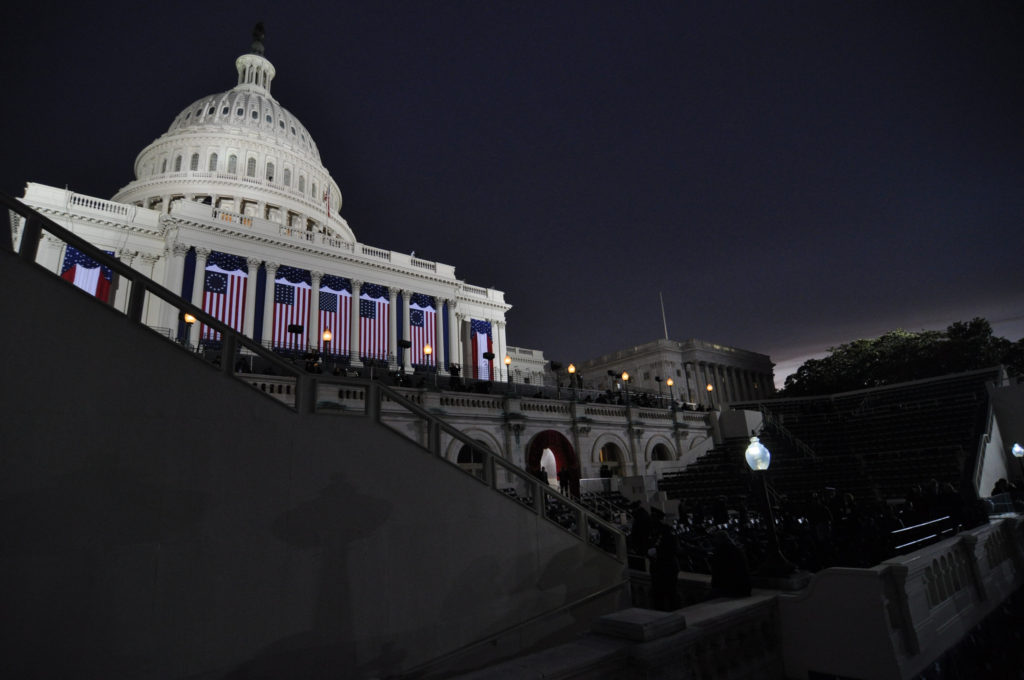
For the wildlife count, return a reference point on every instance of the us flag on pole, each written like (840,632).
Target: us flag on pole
(373,321)
(86,273)
(480,335)
(422,318)
(224,292)
(335,312)
(291,307)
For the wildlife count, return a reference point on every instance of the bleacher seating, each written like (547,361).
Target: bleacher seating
(873,443)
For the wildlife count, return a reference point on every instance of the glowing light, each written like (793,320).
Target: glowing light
(1017,450)
(670,382)
(428,350)
(571,369)
(758,457)
(327,336)
(508,360)
(189,319)
(625,376)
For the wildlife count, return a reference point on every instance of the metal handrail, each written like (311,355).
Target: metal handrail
(306,383)
(423,668)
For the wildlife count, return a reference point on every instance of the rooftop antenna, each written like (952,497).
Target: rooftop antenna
(663,322)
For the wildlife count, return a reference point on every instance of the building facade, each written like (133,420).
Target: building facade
(693,366)
(233,209)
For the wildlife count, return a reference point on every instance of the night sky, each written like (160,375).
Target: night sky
(790,176)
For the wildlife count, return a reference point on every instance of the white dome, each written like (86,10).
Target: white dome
(242,152)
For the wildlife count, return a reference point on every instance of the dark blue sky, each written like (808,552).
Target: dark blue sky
(790,175)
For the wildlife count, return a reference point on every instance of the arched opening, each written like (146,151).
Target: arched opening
(612,457)
(551,451)
(471,459)
(661,452)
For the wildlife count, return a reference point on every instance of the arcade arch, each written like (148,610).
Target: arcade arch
(612,451)
(659,450)
(552,451)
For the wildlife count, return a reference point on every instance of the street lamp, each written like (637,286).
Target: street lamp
(572,379)
(327,336)
(508,368)
(1018,452)
(671,396)
(711,397)
(625,385)
(427,351)
(189,320)
(758,459)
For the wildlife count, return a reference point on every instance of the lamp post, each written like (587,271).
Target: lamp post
(572,379)
(625,385)
(508,369)
(189,320)
(1018,452)
(711,396)
(758,459)
(427,351)
(327,336)
(671,396)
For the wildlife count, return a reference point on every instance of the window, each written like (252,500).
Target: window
(255,116)
(312,190)
(210,111)
(239,111)
(224,111)
(270,172)
(281,123)
(250,167)
(302,184)
(269,119)
(193,163)
(163,168)
(232,164)
(177,164)
(287,177)
(213,162)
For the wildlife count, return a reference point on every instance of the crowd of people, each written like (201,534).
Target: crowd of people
(730,540)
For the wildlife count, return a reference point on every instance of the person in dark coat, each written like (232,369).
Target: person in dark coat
(730,574)
(640,533)
(665,572)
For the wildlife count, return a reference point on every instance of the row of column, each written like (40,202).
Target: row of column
(729,383)
(458,343)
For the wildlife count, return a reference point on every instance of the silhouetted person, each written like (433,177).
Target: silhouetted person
(665,572)
(640,534)
(730,574)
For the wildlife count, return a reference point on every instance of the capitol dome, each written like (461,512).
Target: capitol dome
(241,152)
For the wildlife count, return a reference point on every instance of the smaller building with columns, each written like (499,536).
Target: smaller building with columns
(733,374)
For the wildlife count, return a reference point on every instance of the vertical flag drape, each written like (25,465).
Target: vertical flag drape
(335,312)
(86,273)
(292,289)
(373,321)
(422,320)
(480,336)
(224,284)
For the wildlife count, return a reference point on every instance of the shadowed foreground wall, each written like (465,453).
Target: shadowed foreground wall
(158,520)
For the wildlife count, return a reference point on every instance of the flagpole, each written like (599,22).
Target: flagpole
(663,321)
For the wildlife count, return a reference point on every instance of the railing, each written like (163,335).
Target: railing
(529,491)
(770,419)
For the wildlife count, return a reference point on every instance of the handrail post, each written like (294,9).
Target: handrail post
(30,238)
(227,353)
(372,406)
(136,300)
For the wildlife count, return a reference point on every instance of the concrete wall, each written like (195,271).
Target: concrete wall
(159,520)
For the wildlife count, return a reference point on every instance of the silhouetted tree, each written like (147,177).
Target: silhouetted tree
(900,355)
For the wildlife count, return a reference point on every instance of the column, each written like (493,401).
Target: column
(268,305)
(249,318)
(439,332)
(197,290)
(499,359)
(153,306)
(313,337)
(406,329)
(123,286)
(393,326)
(49,253)
(454,337)
(353,325)
(465,345)
(689,373)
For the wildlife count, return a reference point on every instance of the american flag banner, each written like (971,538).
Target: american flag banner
(291,307)
(480,335)
(86,273)
(373,321)
(224,292)
(422,318)
(335,312)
